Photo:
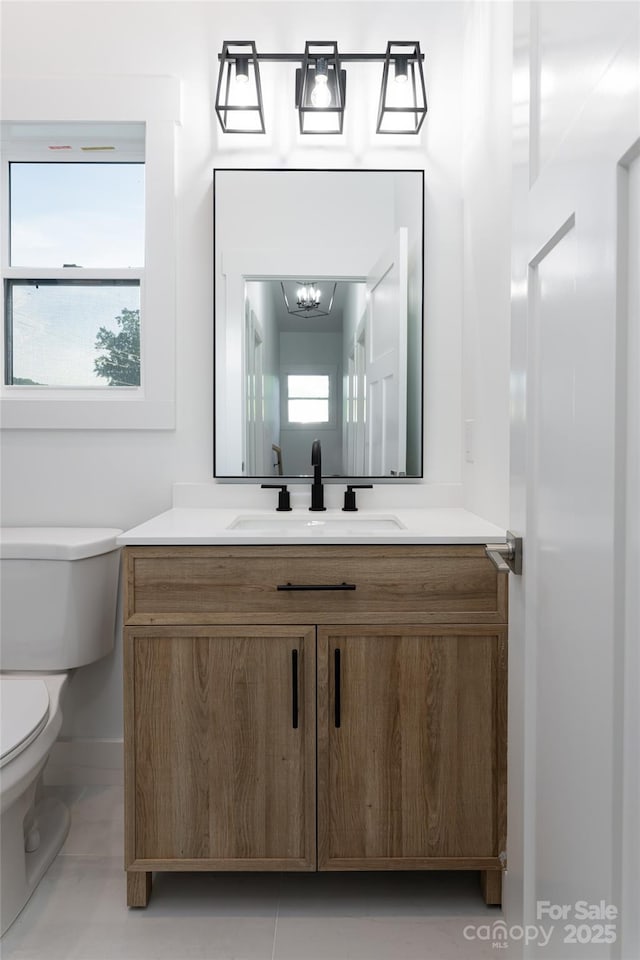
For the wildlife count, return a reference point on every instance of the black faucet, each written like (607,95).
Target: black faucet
(317,492)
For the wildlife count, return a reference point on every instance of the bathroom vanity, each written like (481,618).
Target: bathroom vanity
(307,701)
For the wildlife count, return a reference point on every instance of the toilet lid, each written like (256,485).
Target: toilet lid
(24,710)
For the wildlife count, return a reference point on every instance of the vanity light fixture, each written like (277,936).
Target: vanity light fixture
(308,297)
(403,100)
(239,94)
(320,87)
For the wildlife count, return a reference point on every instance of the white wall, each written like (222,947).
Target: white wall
(486,173)
(121,478)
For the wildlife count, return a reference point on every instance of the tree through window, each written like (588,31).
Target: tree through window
(76,260)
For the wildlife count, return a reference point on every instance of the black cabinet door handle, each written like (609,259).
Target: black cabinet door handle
(336,687)
(316,586)
(294,689)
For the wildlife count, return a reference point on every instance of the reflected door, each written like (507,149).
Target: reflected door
(356,423)
(254,454)
(386,361)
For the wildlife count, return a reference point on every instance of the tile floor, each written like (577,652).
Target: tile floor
(78,911)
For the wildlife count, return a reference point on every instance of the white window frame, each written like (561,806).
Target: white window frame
(154,101)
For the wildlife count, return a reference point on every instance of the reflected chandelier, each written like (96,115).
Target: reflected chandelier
(308,297)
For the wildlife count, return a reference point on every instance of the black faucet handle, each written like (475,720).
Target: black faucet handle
(284,501)
(350,497)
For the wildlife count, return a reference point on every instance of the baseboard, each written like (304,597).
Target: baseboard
(77,762)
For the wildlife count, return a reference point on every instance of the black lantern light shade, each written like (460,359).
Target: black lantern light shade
(308,298)
(403,98)
(239,94)
(321,88)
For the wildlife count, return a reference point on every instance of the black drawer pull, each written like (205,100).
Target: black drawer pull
(336,687)
(294,689)
(316,586)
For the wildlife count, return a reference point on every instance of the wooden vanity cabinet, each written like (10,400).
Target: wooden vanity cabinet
(274,724)
(407,751)
(222,722)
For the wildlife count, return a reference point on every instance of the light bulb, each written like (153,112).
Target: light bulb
(242,70)
(401,69)
(321,95)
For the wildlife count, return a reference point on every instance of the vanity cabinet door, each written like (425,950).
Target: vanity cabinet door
(411,747)
(220,755)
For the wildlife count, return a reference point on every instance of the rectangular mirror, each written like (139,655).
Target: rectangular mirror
(318,323)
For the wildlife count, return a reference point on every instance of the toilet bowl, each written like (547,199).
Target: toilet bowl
(33,827)
(59,595)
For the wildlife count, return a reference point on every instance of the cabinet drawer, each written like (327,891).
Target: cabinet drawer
(313,584)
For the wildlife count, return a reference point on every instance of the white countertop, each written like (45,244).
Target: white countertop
(201,525)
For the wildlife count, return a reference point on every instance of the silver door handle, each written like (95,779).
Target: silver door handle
(507,557)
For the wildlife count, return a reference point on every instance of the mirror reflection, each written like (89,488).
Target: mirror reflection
(318,323)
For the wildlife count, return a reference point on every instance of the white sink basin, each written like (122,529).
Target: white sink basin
(306,524)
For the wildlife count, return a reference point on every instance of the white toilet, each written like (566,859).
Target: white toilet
(59,589)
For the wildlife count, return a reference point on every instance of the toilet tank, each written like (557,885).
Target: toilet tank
(59,593)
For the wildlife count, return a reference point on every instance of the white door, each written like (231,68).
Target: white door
(386,361)
(356,420)
(254,397)
(351,414)
(573,773)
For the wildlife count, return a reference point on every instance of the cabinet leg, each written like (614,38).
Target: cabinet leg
(138,888)
(491,886)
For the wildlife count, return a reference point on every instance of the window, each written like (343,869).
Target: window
(73,225)
(76,333)
(309,397)
(88,218)
(79,213)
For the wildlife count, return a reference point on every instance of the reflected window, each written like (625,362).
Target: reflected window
(308,398)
